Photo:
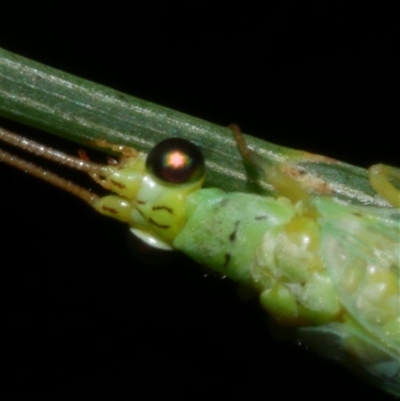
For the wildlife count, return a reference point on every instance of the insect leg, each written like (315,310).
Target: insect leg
(124,151)
(284,185)
(380,176)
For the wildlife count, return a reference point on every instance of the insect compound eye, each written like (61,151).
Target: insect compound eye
(176,161)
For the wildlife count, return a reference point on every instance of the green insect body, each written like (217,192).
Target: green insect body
(327,269)
(334,276)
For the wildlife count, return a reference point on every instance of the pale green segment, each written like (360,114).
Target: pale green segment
(362,254)
(360,247)
(333,340)
(347,285)
(224,230)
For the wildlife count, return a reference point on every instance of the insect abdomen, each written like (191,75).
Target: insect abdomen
(284,251)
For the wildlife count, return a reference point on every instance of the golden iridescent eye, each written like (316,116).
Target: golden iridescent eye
(176,161)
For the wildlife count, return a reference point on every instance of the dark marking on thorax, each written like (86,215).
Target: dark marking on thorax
(118,184)
(232,236)
(109,209)
(168,209)
(227,260)
(164,226)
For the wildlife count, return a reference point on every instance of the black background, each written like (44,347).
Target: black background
(84,319)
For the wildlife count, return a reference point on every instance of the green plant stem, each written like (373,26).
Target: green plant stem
(80,110)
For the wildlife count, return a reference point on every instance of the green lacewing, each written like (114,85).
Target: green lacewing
(329,270)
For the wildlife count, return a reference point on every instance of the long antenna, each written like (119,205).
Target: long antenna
(50,154)
(54,155)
